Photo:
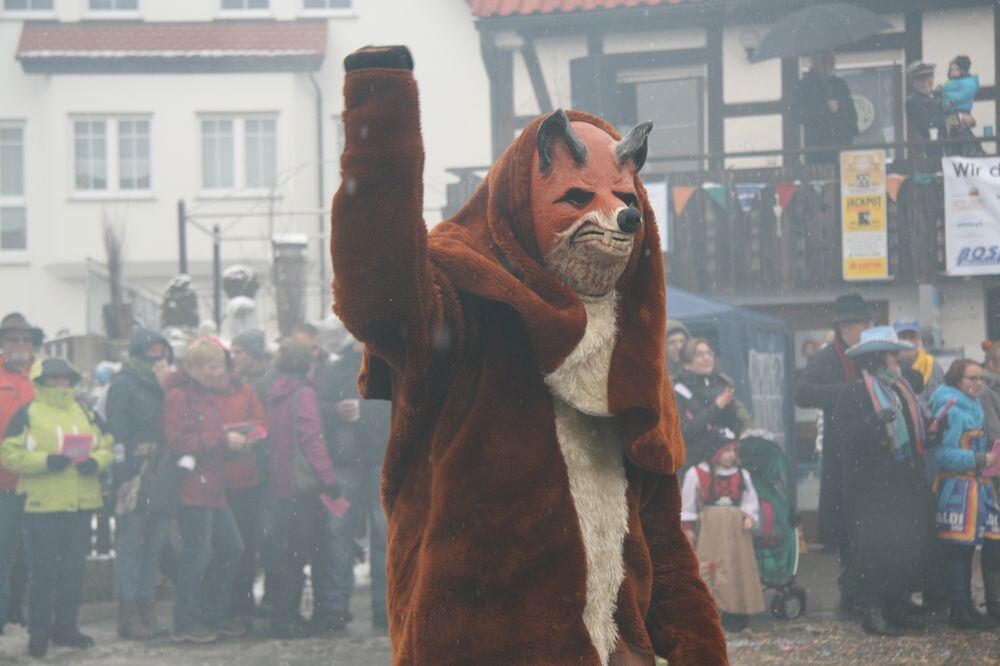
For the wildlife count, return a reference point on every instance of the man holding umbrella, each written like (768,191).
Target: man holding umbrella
(822,104)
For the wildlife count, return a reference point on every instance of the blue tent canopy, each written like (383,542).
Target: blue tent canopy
(754,349)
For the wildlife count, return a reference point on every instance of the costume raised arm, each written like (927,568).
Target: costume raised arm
(382,286)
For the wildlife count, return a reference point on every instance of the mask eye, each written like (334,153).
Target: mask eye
(628,199)
(576,197)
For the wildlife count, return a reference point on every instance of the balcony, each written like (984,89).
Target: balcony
(787,237)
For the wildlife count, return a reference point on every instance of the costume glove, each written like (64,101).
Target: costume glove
(57,462)
(332,491)
(87,467)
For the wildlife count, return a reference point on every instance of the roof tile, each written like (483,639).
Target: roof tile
(152,39)
(491,8)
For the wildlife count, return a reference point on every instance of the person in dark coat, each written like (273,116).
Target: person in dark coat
(822,104)
(706,401)
(878,430)
(925,116)
(677,337)
(827,373)
(359,434)
(135,417)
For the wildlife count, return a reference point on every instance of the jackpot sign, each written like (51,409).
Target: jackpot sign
(972,215)
(863,215)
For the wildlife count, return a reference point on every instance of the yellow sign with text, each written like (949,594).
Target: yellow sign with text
(863,206)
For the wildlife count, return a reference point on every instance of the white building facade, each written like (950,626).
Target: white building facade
(115,111)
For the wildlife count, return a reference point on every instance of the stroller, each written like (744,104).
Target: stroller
(776,545)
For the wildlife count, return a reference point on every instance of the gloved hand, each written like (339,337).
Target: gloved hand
(331,491)
(379,57)
(887,416)
(57,462)
(87,467)
(935,437)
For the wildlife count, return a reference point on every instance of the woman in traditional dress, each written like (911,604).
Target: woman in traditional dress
(718,498)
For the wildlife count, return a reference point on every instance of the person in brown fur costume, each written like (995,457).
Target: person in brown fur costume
(530,479)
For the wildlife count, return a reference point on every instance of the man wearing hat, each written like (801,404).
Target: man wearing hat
(18,342)
(677,336)
(827,373)
(924,113)
(930,371)
(57,448)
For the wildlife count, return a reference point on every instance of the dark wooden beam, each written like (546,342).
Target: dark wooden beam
(996,66)
(500,69)
(789,126)
(914,31)
(741,109)
(541,91)
(716,101)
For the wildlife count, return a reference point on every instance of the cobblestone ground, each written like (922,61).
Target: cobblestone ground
(820,637)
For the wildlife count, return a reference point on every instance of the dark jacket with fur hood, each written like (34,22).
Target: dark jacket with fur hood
(486,561)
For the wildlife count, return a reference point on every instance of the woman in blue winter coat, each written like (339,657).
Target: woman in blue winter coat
(967,510)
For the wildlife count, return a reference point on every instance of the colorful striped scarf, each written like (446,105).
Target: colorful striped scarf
(889,391)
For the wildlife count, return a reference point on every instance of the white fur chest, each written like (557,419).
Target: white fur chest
(591,445)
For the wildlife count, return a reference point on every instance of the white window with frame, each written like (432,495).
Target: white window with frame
(328,7)
(13,205)
(239,153)
(114,8)
(112,156)
(246,6)
(33,6)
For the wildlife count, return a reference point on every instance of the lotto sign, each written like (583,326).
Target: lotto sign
(862,209)
(972,215)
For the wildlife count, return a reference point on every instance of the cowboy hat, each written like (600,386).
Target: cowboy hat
(878,339)
(15,321)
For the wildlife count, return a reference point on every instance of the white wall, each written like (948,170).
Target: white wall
(65,229)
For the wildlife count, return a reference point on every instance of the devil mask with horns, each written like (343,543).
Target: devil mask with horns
(530,478)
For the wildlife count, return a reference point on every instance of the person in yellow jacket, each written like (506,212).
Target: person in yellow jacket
(57,447)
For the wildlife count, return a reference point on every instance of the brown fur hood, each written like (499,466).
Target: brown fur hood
(488,249)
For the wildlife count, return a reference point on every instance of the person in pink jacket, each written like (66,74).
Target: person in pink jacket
(295,430)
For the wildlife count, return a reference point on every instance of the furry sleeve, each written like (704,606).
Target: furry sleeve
(383,289)
(682,621)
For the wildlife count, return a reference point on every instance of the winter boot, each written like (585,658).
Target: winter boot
(38,644)
(991,581)
(965,616)
(71,637)
(130,624)
(875,622)
(147,615)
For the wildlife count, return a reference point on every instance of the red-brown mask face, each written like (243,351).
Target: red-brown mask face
(585,209)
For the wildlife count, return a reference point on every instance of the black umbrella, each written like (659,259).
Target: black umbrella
(818,28)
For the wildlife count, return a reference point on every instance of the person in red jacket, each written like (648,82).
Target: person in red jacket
(243,413)
(197,440)
(18,341)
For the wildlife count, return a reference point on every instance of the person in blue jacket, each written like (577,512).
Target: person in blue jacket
(967,511)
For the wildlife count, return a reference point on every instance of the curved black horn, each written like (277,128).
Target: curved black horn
(556,125)
(633,145)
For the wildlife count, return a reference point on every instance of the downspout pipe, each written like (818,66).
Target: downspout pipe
(324,282)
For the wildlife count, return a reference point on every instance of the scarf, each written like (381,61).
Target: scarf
(924,364)
(839,348)
(139,369)
(889,391)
